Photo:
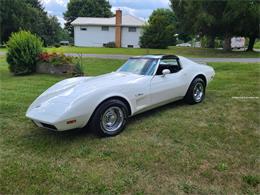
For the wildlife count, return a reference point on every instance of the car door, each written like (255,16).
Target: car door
(164,88)
(141,93)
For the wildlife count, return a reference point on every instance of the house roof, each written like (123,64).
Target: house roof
(127,20)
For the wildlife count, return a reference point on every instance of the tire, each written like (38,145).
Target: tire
(196,91)
(110,118)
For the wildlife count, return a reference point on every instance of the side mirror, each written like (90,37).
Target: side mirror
(165,72)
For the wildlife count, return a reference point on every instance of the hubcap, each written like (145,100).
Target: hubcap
(112,119)
(198,92)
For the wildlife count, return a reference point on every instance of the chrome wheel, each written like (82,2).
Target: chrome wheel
(198,92)
(112,119)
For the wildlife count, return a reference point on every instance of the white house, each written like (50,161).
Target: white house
(124,30)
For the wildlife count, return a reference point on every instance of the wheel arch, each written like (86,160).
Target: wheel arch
(117,97)
(202,76)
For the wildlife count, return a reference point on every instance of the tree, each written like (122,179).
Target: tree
(184,21)
(198,17)
(10,17)
(224,19)
(64,35)
(28,15)
(51,31)
(35,4)
(86,8)
(160,30)
(245,15)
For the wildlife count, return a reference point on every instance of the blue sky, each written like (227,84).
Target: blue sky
(139,8)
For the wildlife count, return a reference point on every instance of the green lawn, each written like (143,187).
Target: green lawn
(257,44)
(185,51)
(3,49)
(210,148)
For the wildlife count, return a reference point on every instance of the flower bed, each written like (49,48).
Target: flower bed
(58,64)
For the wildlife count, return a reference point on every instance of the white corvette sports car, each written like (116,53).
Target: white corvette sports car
(105,102)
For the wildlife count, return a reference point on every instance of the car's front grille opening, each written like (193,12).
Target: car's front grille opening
(49,126)
(34,123)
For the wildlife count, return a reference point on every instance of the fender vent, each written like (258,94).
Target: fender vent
(49,126)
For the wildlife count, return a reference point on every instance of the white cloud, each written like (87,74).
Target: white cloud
(61,21)
(138,8)
(142,14)
(62,2)
(141,9)
(59,2)
(138,4)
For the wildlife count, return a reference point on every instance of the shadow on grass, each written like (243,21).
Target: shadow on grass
(154,111)
(45,142)
(50,141)
(75,133)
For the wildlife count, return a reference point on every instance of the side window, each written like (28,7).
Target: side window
(132,29)
(105,28)
(83,28)
(171,64)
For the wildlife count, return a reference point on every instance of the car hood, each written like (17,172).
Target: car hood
(68,90)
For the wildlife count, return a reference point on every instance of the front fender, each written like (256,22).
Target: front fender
(85,106)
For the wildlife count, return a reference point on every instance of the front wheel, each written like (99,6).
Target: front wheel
(196,91)
(110,118)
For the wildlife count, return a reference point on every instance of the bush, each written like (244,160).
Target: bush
(2,46)
(218,43)
(23,51)
(110,45)
(78,70)
(205,42)
(57,45)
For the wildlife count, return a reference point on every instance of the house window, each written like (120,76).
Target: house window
(130,46)
(105,28)
(83,28)
(132,29)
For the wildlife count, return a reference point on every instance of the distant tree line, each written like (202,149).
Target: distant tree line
(86,8)
(210,19)
(29,15)
(223,19)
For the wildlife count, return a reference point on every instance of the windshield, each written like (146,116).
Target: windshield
(141,66)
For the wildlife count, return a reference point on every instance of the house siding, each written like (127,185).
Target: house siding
(131,38)
(95,37)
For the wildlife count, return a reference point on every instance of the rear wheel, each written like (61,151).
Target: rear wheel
(196,91)
(110,118)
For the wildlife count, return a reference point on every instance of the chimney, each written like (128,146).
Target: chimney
(118,30)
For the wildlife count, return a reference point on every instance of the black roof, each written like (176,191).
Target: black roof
(157,56)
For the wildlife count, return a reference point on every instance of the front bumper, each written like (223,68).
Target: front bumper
(53,123)
(45,125)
